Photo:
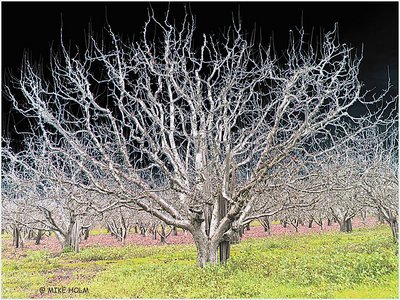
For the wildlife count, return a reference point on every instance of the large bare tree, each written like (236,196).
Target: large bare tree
(188,127)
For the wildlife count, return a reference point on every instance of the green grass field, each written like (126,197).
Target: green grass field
(362,264)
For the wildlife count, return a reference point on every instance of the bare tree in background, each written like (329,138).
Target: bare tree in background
(380,183)
(119,221)
(34,199)
(189,131)
(345,202)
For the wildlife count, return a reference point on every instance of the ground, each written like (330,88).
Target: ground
(310,264)
(100,237)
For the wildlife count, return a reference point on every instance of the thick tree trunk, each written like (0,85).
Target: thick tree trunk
(237,235)
(206,250)
(74,236)
(265,222)
(38,237)
(310,223)
(224,251)
(143,230)
(70,238)
(224,246)
(17,237)
(349,225)
(329,222)
(345,225)
(123,234)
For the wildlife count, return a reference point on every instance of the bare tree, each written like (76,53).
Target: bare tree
(380,183)
(364,173)
(189,131)
(119,221)
(34,200)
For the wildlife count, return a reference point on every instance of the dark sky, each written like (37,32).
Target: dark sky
(34,26)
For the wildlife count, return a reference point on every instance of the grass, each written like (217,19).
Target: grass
(6,236)
(98,231)
(363,264)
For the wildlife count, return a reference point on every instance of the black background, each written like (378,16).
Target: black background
(33,27)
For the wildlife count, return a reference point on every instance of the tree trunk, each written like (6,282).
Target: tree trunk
(109,230)
(345,225)
(143,230)
(295,224)
(310,223)
(155,231)
(319,222)
(224,246)
(381,218)
(329,222)
(237,235)
(206,250)
(70,238)
(124,228)
(394,226)
(224,251)
(241,231)
(124,234)
(163,235)
(17,238)
(38,237)
(265,222)
(31,234)
(349,225)
(363,215)
(86,234)
(174,231)
(75,236)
